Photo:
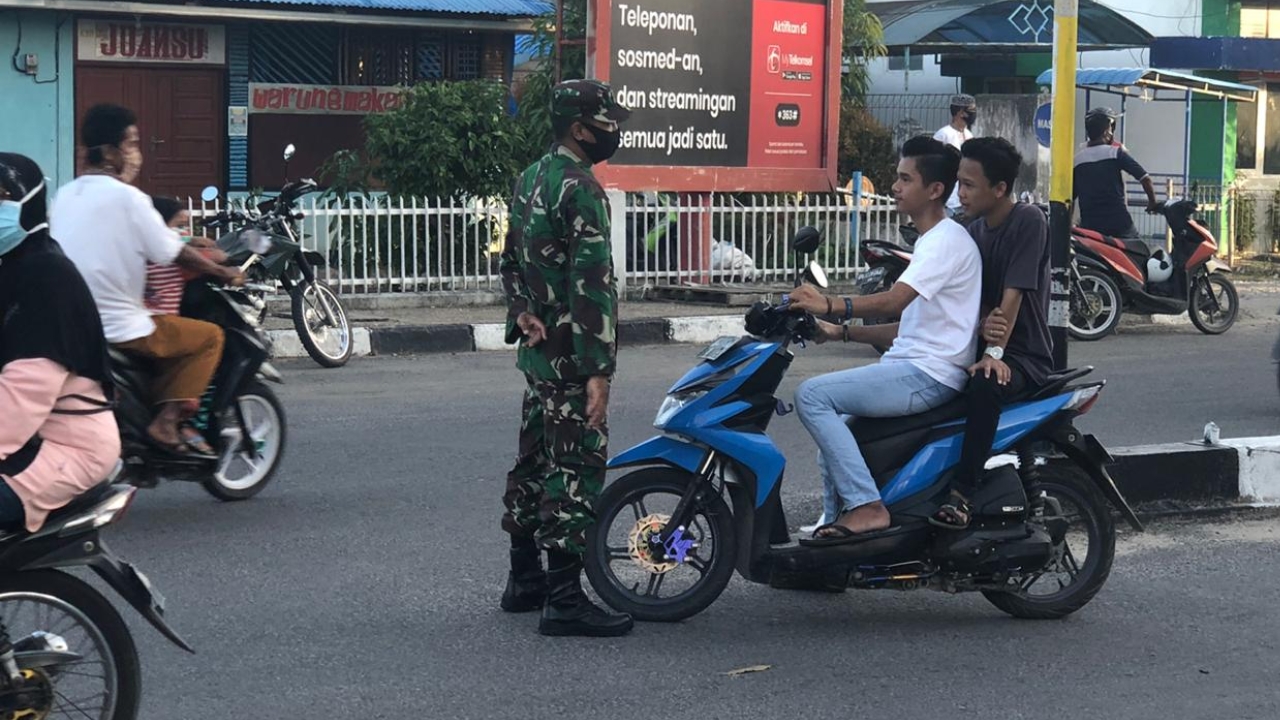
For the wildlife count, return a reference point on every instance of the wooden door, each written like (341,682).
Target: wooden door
(181,121)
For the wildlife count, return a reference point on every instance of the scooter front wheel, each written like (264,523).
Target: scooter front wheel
(636,573)
(1214,305)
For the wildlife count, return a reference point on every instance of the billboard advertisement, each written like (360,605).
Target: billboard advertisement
(726,94)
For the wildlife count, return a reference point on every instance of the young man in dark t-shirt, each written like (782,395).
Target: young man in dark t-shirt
(1013,239)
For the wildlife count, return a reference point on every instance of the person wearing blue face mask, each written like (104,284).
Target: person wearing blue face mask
(58,436)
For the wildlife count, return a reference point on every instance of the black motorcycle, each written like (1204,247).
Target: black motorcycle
(318,315)
(239,416)
(64,650)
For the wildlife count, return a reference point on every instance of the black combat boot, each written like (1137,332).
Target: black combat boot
(568,610)
(526,582)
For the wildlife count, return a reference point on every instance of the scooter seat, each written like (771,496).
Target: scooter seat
(867,430)
(1057,382)
(1137,247)
(80,504)
(129,362)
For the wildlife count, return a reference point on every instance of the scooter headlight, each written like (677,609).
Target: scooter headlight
(673,405)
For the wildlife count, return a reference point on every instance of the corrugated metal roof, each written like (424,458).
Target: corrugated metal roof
(1120,77)
(508,8)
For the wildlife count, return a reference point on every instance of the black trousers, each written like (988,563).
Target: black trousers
(985,396)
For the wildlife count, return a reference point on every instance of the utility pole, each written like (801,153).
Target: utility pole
(1062,151)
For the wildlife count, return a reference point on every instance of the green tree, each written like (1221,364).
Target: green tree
(449,139)
(534,97)
(863,42)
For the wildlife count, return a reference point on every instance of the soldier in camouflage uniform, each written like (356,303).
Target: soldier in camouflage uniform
(557,271)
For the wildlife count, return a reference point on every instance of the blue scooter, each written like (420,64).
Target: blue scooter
(706,497)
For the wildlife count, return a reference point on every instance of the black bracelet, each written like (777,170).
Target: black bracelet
(848,309)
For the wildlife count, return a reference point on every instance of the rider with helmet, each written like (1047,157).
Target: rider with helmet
(1098,184)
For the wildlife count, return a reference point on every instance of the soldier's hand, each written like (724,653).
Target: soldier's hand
(534,331)
(597,401)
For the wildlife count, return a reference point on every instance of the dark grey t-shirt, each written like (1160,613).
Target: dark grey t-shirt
(1016,255)
(1099,188)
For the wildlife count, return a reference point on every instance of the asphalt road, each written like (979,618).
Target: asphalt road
(363,583)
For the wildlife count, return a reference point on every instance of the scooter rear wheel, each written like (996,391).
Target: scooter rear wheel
(1096,306)
(630,573)
(1033,596)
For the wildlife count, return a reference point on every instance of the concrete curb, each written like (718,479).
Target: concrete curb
(485,337)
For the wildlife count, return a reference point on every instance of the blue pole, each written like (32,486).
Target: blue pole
(853,213)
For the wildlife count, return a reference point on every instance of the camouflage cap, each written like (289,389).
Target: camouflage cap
(592,99)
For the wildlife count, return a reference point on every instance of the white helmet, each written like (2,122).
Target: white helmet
(1159,267)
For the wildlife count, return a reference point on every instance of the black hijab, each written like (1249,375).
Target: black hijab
(46,310)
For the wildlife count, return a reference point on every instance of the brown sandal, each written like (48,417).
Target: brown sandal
(956,514)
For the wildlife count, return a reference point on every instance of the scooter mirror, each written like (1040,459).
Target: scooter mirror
(289,150)
(815,275)
(806,240)
(209,194)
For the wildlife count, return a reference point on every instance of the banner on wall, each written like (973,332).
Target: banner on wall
(149,42)
(290,99)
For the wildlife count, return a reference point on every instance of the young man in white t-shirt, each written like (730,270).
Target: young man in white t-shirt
(110,229)
(964,112)
(938,299)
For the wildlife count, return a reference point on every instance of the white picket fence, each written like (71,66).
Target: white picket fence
(384,245)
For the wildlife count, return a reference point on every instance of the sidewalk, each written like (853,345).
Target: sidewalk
(394,326)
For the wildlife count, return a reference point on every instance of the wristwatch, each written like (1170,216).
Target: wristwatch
(995,352)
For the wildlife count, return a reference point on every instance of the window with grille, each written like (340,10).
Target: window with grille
(431,56)
(403,57)
(466,58)
(293,53)
(380,57)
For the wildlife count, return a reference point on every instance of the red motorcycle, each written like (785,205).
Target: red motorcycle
(1110,276)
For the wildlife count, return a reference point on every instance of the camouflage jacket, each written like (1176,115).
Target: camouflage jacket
(558,266)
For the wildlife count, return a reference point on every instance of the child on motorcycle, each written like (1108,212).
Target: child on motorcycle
(165,281)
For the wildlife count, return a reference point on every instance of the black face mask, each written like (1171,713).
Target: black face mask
(970,117)
(606,144)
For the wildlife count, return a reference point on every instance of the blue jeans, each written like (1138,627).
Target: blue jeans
(826,403)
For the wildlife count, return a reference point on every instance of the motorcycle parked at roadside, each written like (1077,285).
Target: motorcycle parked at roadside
(706,499)
(239,416)
(64,649)
(1111,276)
(317,313)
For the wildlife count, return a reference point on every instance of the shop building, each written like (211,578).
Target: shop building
(220,87)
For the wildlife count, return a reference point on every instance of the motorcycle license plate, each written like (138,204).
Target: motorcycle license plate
(717,349)
(157,599)
(871,277)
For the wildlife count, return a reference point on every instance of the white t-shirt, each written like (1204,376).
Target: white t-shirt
(938,332)
(954,138)
(110,230)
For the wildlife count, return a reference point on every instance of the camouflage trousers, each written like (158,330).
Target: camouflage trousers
(553,487)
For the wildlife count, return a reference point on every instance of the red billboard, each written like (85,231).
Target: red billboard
(728,95)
